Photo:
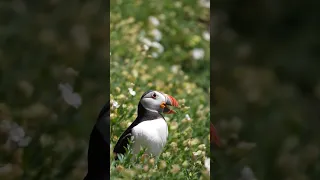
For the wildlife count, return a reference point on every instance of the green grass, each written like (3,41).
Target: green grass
(136,64)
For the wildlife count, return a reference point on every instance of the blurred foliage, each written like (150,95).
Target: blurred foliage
(164,46)
(53,59)
(266,89)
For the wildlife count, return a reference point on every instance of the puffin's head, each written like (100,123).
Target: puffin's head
(158,102)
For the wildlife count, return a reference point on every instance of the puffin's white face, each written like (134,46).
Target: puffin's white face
(158,102)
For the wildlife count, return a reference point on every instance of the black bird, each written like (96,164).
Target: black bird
(150,129)
(99,147)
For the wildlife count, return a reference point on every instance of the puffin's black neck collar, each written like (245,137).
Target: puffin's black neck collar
(145,114)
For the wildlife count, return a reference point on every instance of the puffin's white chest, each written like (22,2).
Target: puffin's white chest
(150,134)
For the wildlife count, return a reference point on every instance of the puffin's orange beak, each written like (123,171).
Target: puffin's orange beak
(170,101)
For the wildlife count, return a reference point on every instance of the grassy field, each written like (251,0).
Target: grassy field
(162,46)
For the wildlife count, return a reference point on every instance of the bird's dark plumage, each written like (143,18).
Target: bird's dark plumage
(99,147)
(143,115)
(149,129)
(145,93)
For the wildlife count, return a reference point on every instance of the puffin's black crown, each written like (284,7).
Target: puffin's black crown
(145,93)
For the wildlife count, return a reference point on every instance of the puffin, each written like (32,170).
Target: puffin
(149,130)
(99,147)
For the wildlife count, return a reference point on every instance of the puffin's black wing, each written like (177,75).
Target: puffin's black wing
(124,139)
(99,147)
(143,115)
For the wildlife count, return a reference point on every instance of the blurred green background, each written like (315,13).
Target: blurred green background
(266,89)
(54,81)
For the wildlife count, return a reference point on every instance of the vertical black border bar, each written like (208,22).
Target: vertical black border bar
(211,88)
(99,144)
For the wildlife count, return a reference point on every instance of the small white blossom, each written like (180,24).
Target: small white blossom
(204,3)
(198,53)
(132,92)
(156,34)
(148,43)
(16,133)
(70,97)
(188,117)
(207,164)
(175,69)
(155,54)
(197,153)
(158,46)
(206,35)
(25,141)
(154,21)
(115,104)
(178,4)
(145,47)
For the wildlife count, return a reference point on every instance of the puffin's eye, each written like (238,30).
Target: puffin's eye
(154,95)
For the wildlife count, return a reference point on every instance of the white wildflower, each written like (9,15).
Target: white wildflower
(128,124)
(154,21)
(71,98)
(145,47)
(207,164)
(206,35)
(156,34)
(16,133)
(204,3)
(188,117)
(178,4)
(115,104)
(175,69)
(154,54)
(158,46)
(25,141)
(198,53)
(197,153)
(132,92)
(146,41)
